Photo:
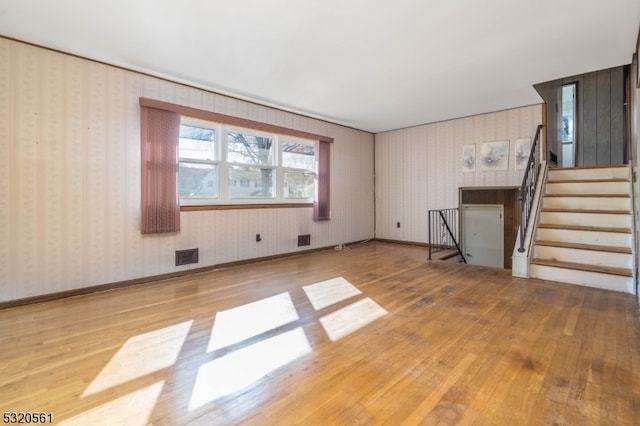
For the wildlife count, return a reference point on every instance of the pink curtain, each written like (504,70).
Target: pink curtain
(321,207)
(160,204)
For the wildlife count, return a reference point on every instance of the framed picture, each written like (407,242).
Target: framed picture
(522,149)
(494,156)
(469,158)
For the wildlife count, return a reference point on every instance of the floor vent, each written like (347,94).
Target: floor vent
(186,257)
(304,240)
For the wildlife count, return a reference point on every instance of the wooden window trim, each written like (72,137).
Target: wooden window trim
(230,120)
(198,208)
(321,206)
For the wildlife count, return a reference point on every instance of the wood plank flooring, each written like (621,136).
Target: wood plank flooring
(397,340)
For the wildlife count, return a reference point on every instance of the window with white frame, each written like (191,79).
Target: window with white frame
(298,167)
(221,164)
(198,155)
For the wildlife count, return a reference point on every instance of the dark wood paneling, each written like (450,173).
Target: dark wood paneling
(508,198)
(587,102)
(630,108)
(603,95)
(543,136)
(617,117)
(600,116)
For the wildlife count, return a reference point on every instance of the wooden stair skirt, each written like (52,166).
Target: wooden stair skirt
(584,231)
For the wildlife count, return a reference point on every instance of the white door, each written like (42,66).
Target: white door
(482,229)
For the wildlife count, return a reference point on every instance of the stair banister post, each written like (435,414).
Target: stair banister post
(523,226)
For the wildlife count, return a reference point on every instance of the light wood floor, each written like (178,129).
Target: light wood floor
(420,343)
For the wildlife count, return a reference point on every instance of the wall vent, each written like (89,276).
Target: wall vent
(186,257)
(304,240)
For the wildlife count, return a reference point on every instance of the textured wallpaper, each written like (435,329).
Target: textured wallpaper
(421,168)
(70,179)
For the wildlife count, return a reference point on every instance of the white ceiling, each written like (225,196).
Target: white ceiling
(372,65)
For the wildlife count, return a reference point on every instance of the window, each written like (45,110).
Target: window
(198,168)
(298,162)
(568,124)
(251,164)
(221,164)
(226,160)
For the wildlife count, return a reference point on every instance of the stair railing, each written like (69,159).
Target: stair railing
(528,188)
(444,231)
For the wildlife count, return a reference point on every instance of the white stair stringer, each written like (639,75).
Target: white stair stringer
(584,233)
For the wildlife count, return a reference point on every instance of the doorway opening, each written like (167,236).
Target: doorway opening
(568,125)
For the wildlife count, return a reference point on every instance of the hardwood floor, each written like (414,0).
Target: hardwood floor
(398,339)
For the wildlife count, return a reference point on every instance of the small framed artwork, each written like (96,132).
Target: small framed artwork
(494,156)
(522,149)
(469,158)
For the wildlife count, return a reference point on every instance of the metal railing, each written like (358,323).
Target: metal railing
(444,231)
(528,188)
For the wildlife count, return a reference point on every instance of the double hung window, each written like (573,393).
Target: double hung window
(193,157)
(222,164)
(198,160)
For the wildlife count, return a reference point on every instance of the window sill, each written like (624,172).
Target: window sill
(197,208)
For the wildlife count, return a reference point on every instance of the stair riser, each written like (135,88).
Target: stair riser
(587,188)
(613,239)
(586,174)
(589,279)
(586,219)
(587,203)
(590,257)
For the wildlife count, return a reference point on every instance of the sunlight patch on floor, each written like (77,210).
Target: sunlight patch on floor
(246,321)
(141,355)
(329,292)
(132,409)
(239,369)
(351,318)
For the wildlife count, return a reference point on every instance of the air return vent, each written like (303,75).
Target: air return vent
(304,240)
(185,257)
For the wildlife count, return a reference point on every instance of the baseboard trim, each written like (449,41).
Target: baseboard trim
(267,258)
(100,288)
(409,243)
(151,279)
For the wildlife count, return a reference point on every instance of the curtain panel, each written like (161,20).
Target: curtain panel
(321,205)
(160,204)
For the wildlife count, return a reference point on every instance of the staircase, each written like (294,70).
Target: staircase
(584,230)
